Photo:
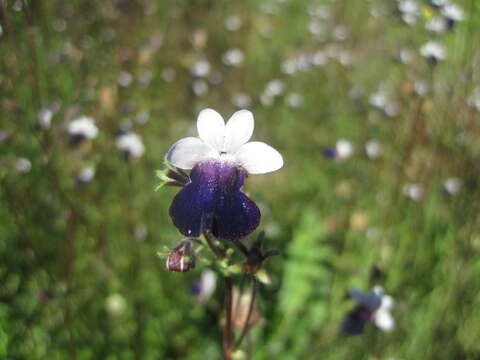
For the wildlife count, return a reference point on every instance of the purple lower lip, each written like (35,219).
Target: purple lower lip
(213,200)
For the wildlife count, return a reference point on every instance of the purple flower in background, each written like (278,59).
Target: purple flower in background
(373,306)
(220,159)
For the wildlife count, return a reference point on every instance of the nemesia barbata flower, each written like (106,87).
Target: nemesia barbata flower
(433,51)
(44,119)
(452,186)
(131,145)
(415,192)
(203,289)
(115,304)
(23,165)
(82,128)
(219,160)
(373,306)
(85,175)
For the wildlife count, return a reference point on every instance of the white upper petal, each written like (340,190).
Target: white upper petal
(211,128)
(259,158)
(187,152)
(384,320)
(238,131)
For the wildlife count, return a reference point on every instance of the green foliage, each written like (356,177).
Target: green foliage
(82,263)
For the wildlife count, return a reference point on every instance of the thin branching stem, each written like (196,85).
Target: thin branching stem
(219,253)
(246,325)
(228,332)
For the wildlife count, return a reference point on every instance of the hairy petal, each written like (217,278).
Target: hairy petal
(259,158)
(187,152)
(211,128)
(239,130)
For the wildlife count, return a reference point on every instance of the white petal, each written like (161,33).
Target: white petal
(259,158)
(387,302)
(187,152)
(211,128)
(239,130)
(384,320)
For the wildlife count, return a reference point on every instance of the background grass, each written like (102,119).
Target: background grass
(65,249)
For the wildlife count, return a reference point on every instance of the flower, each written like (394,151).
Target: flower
(85,175)
(23,165)
(203,289)
(131,145)
(182,257)
(82,128)
(371,306)
(233,57)
(115,304)
(452,186)
(44,119)
(433,51)
(220,159)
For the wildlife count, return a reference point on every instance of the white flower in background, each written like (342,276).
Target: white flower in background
(433,51)
(294,100)
(474,99)
(85,175)
(125,79)
(439,3)
(131,145)
(415,192)
(408,6)
(23,165)
(392,109)
(453,12)
(421,87)
(373,306)
(437,25)
(233,23)
(406,55)
(409,10)
(200,87)
(289,67)
(316,28)
(379,99)
(266,99)
(233,57)
(344,149)
(319,58)
(241,100)
(373,149)
(382,316)
(115,304)
(452,185)
(44,119)
(201,68)
(82,128)
(205,287)
(275,87)
(340,32)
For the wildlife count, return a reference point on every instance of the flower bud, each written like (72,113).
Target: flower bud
(182,257)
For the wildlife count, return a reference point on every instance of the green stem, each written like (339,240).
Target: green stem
(228,331)
(246,325)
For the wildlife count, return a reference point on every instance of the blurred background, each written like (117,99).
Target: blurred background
(374,106)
